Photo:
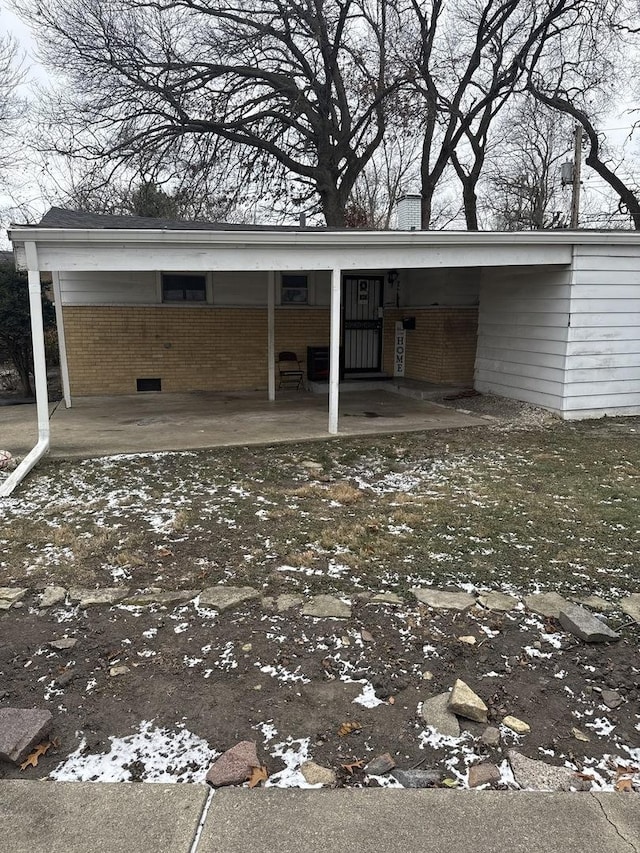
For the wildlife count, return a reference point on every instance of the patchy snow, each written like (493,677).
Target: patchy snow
(368,698)
(165,756)
(293,753)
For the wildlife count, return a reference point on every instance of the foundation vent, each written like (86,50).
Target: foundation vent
(148,384)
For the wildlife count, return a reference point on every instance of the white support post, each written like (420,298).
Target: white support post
(40,374)
(334,351)
(62,343)
(271,333)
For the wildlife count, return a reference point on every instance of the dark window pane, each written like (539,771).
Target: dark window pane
(184,288)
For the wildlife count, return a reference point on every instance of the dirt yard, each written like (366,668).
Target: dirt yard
(153,692)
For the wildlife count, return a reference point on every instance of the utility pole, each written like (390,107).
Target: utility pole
(575,189)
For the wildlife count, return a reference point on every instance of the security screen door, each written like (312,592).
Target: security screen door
(362,300)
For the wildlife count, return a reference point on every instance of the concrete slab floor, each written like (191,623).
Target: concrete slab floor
(103,426)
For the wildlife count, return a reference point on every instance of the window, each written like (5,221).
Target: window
(184,287)
(295,290)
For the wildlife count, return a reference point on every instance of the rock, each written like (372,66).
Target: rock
(121,669)
(285,602)
(380,765)
(468,640)
(516,725)
(52,595)
(417,778)
(427,675)
(444,600)
(585,625)
(483,774)
(66,677)
(498,601)
(234,766)
(223,598)
(631,606)
(387,598)
(327,607)
(10,595)
(163,598)
(491,737)
(247,647)
(538,776)
(315,774)
(546,604)
(578,735)
(366,636)
(63,644)
(465,703)
(97,597)
(436,713)
(611,698)
(594,602)
(20,730)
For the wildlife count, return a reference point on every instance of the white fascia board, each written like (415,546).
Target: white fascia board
(145,249)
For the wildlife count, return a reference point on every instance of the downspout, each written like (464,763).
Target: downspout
(334,351)
(271,334)
(40,375)
(62,341)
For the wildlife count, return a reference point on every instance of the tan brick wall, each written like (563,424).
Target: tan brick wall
(442,348)
(189,349)
(225,349)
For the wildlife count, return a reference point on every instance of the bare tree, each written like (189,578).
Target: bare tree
(301,83)
(522,177)
(12,106)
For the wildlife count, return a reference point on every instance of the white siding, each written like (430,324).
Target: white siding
(603,349)
(522,335)
(108,288)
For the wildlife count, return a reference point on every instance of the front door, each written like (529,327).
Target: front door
(362,341)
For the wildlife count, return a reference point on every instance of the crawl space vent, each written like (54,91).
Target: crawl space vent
(149,384)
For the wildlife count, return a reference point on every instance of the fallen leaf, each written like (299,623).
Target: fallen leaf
(164,552)
(624,785)
(586,776)
(258,774)
(450,783)
(32,759)
(349,727)
(354,765)
(620,768)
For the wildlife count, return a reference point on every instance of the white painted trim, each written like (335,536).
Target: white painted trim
(271,334)
(40,373)
(334,350)
(62,344)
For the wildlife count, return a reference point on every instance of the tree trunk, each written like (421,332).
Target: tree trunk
(470,201)
(333,207)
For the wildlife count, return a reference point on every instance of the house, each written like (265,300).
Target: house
(550,317)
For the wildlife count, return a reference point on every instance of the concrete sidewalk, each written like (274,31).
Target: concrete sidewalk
(86,817)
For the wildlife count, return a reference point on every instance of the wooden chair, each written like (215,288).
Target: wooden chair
(289,370)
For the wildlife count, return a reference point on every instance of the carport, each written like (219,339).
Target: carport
(526,284)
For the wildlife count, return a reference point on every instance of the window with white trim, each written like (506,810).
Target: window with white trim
(184,287)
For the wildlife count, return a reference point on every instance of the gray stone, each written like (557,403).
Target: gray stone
(52,595)
(120,669)
(162,598)
(66,677)
(20,730)
(97,597)
(546,604)
(594,602)
(234,766)
(286,601)
(498,601)
(631,606)
(63,644)
(387,598)
(380,765)
(483,774)
(585,625)
(465,703)
(417,778)
(436,713)
(327,607)
(10,595)
(539,776)
(491,737)
(223,598)
(611,698)
(444,600)
(315,774)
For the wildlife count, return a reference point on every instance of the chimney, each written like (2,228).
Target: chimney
(408,215)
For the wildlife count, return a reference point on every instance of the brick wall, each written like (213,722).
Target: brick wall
(225,349)
(442,348)
(189,349)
